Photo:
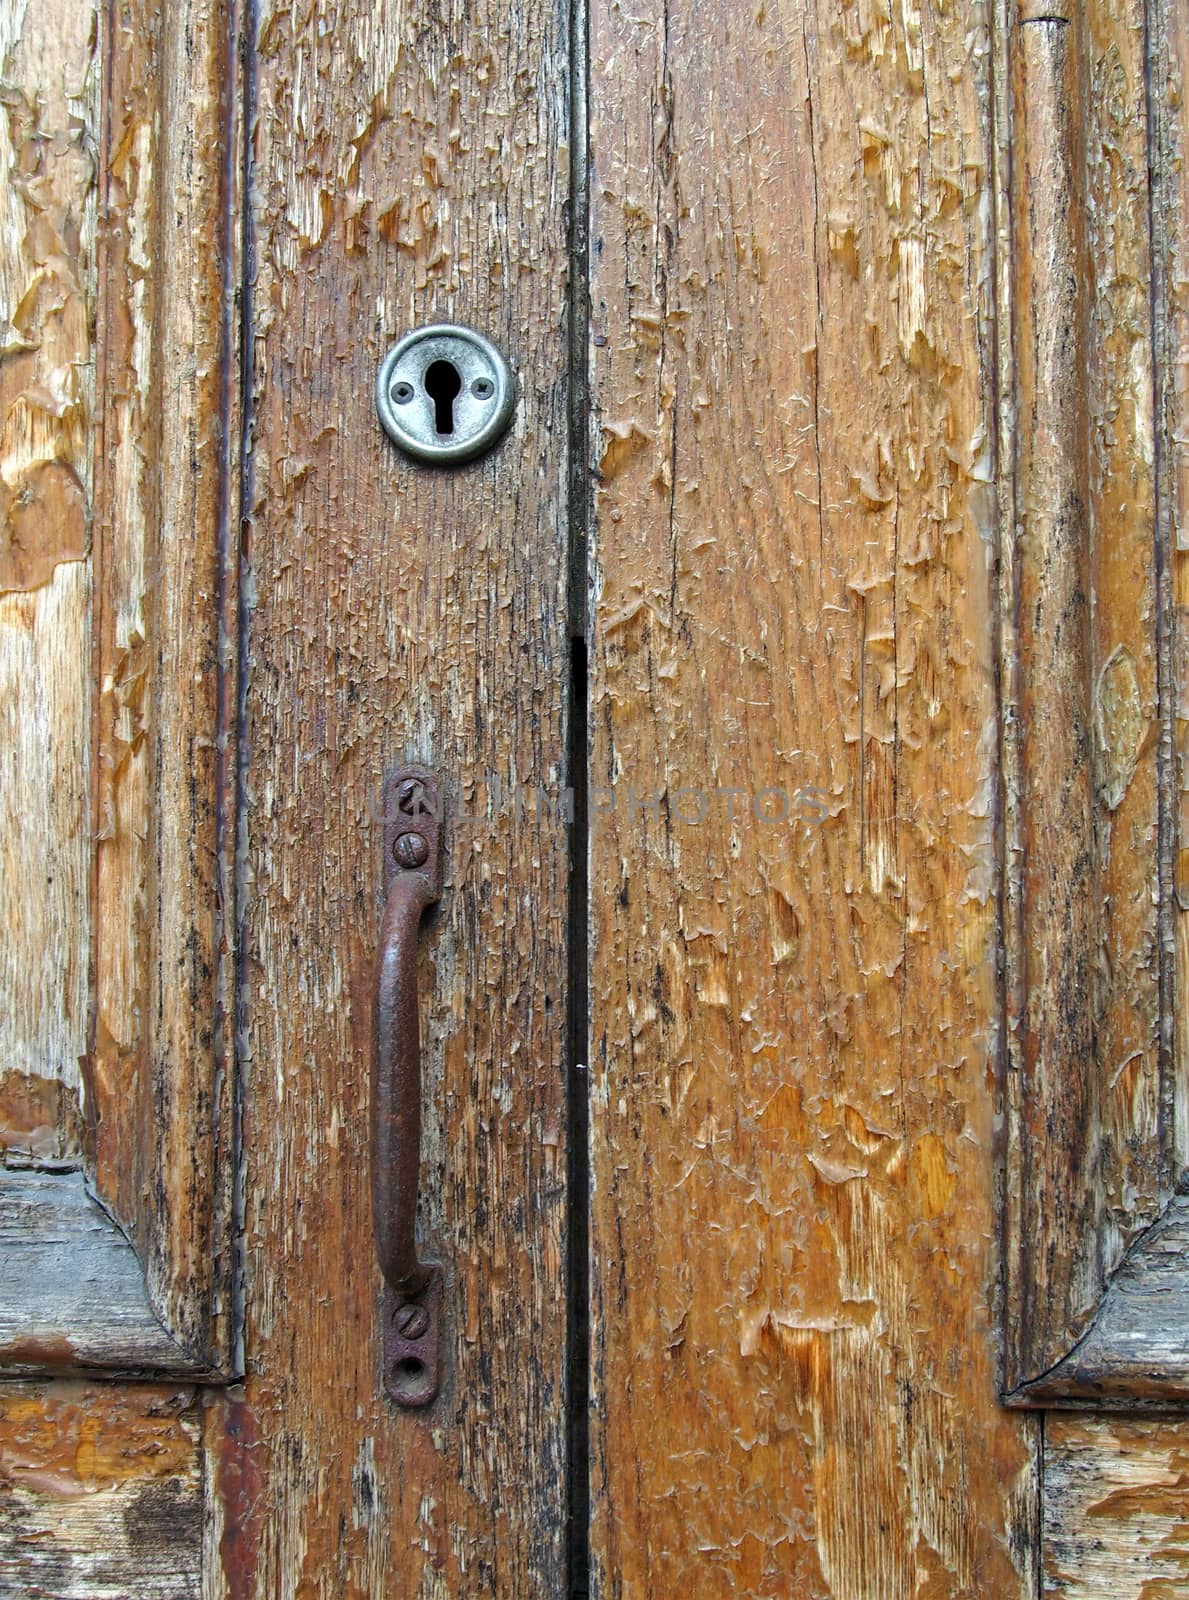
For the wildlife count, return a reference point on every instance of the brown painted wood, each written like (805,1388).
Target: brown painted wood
(810,276)
(1169,73)
(1052,927)
(409,168)
(793,1053)
(1116,1500)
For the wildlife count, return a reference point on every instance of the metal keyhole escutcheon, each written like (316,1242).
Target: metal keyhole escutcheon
(444,394)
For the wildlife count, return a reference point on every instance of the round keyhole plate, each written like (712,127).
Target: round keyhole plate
(480,410)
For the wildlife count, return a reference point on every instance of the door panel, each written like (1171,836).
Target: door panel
(792,1086)
(45,578)
(1169,70)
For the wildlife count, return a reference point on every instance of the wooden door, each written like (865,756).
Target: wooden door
(804,1059)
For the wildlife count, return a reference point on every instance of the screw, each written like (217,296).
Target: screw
(482,388)
(411,849)
(402,393)
(411,1320)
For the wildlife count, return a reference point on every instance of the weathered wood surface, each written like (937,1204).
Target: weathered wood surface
(793,855)
(1089,963)
(1116,1508)
(72,1295)
(792,1067)
(411,165)
(160,1076)
(48,104)
(100,1493)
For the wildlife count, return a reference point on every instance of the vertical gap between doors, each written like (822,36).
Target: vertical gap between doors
(578,1121)
(577,1105)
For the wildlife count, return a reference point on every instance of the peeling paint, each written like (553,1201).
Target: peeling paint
(47,296)
(1117,1489)
(100,1492)
(40,1119)
(48,122)
(792,1134)
(1121,724)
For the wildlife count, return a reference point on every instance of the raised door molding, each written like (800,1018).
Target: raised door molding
(1095,1233)
(129,1268)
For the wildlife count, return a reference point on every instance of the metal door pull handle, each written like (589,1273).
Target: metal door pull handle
(411,1305)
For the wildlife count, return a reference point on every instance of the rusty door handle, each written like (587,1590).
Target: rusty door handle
(411,1305)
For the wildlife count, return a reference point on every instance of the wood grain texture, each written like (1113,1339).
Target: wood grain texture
(793,1059)
(1130,710)
(48,118)
(411,165)
(100,1493)
(1116,1508)
(160,1081)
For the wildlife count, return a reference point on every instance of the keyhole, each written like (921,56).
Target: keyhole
(442,384)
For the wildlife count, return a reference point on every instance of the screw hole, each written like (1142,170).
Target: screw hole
(408,1377)
(442,384)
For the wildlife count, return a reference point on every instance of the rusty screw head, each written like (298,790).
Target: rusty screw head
(411,849)
(411,1320)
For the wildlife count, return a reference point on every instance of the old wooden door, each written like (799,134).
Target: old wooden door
(804,1056)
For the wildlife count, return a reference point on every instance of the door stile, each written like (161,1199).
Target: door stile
(405,170)
(793,882)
